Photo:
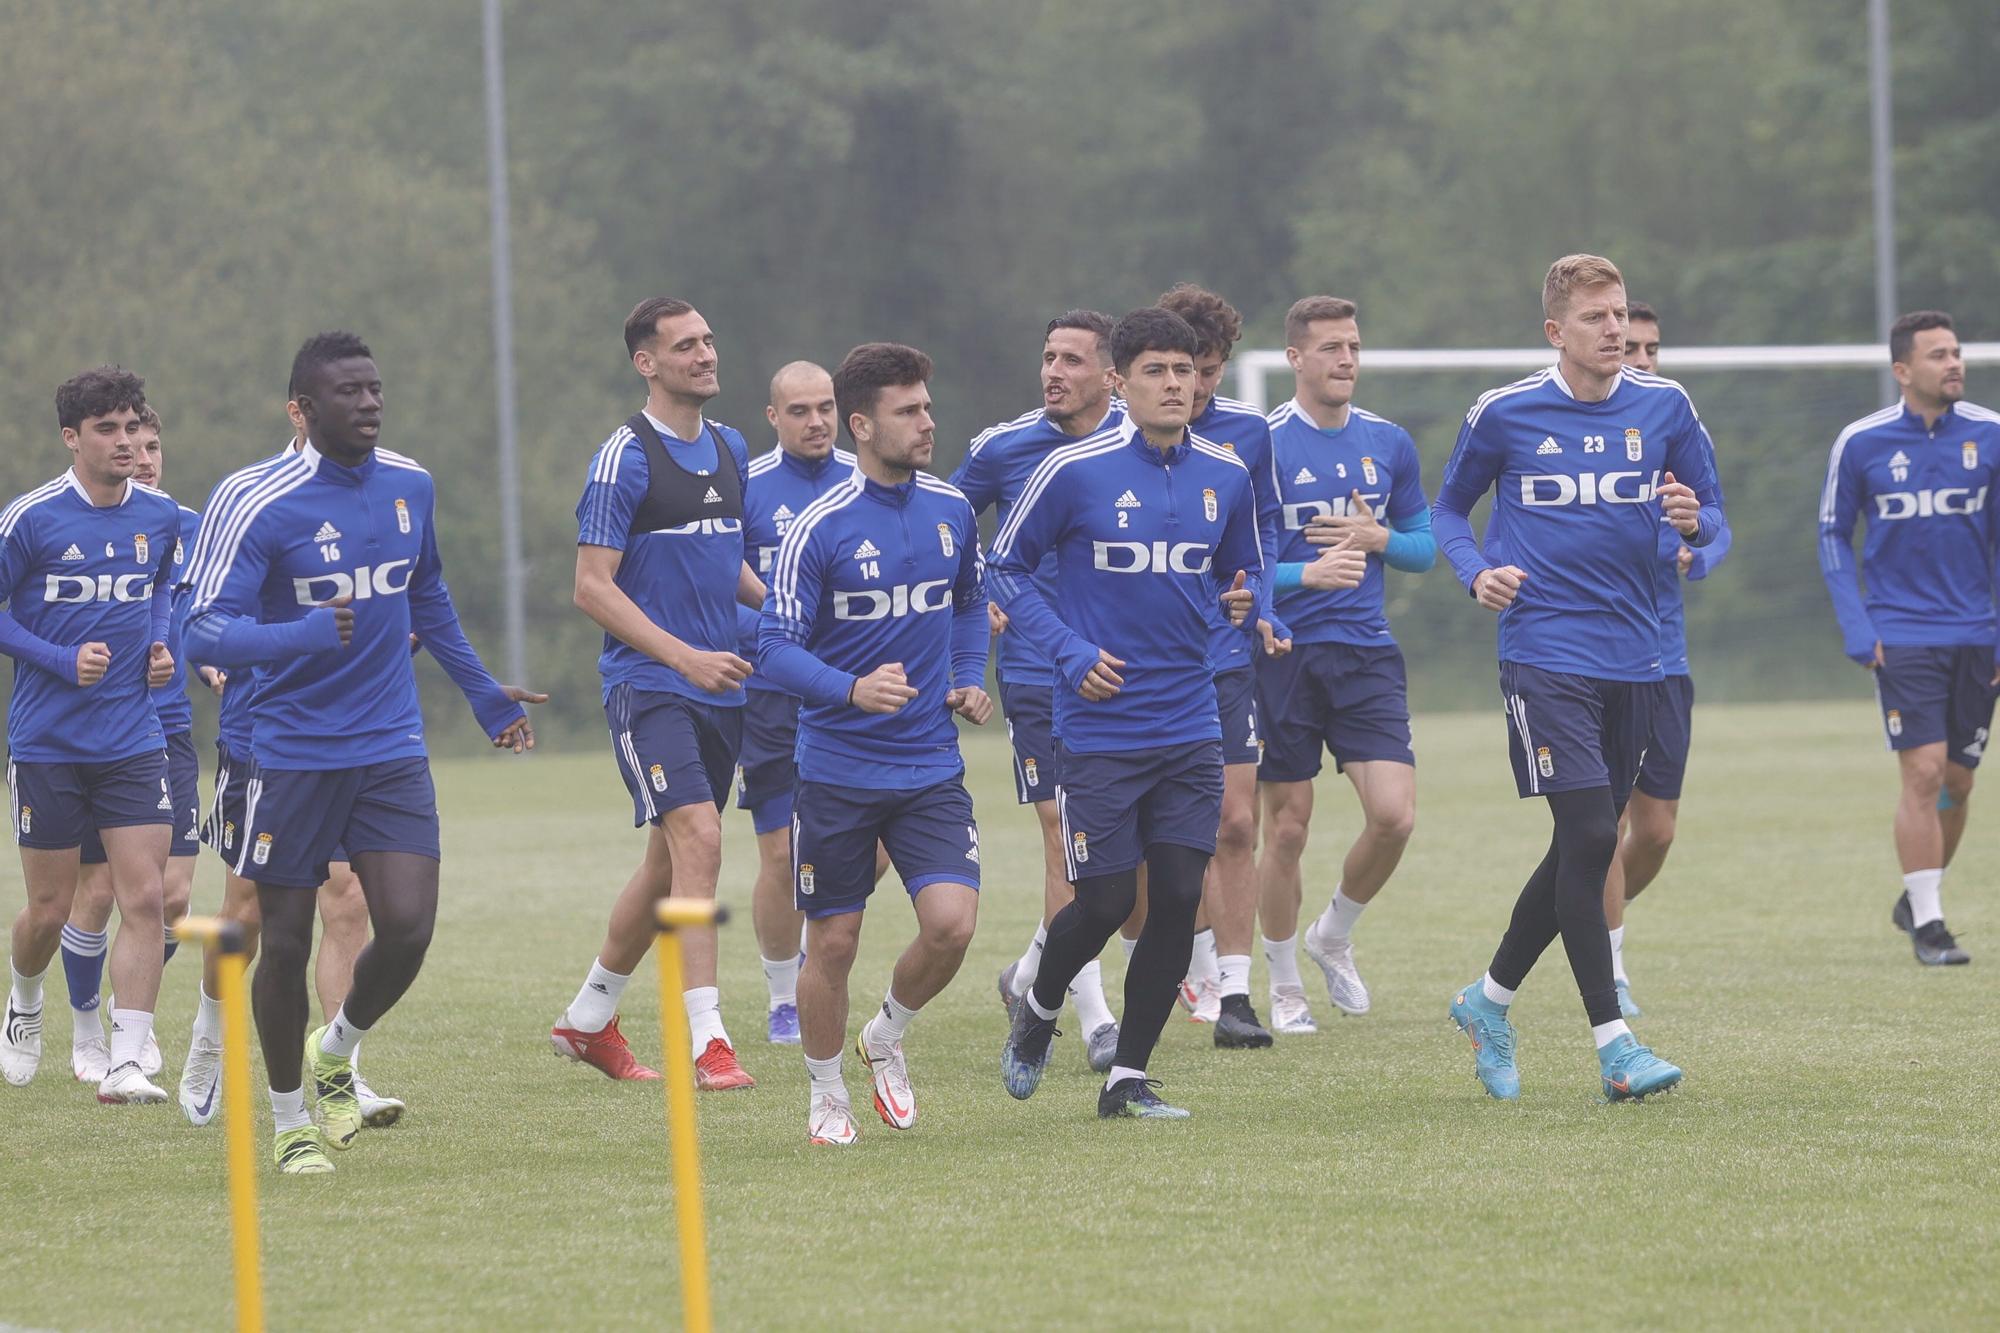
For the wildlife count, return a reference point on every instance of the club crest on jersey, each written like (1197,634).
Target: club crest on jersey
(1208,504)
(402,515)
(1968,454)
(659,776)
(1899,468)
(1635,444)
(1080,848)
(805,878)
(139,547)
(1895,722)
(944,538)
(261,853)
(1368,472)
(1544,762)
(180,552)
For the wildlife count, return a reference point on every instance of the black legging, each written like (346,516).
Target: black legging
(1565,896)
(1103,902)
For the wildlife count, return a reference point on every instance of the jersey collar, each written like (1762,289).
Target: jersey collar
(894,496)
(811,470)
(1128,431)
(1299,413)
(76,484)
(322,466)
(1912,417)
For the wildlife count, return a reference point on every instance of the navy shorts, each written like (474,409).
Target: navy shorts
(224,826)
(929,833)
(1937,694)
(1030,711)
(1236,707)
(672,750)
(1116,805)
(770,740)
(57,805)
(1665,765)
(1350,699)
(295,820)
(1570,733)
(184,785)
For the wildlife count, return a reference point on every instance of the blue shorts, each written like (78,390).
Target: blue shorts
(296,819)
(1343,697)
(1666,760)
(929,833)
(672,751)
(184,785)
(224,825)
(57,805)
(1236,707)
(770,740)
(1929,695)
(1571,733)
(1116,805)
(1030,711)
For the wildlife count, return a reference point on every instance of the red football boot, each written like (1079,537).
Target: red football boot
(716,1070)
(604,1050)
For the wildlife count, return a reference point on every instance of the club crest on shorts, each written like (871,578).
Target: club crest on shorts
(1031,773)
(1895,722)
(1080,848)
(27,819)
(1544,762)
(806,878)
(228,834)
(1635,444)
(1968,454)
(139,547)
(659,776)
(1208,504)
(944,537)
(1369,472)
(261,853)
(402,515)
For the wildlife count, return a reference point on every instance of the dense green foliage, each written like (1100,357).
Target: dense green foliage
(192,186)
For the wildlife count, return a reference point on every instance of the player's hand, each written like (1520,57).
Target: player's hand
(1335,568)
(996,619)
(1495,589)
(92,661)
(971,703)
(884,690)
(343,617)
(159,666)
(1238,602)
(1358,527)
(717,673)
(1103,680)
(1678,503)
(1683,561)
(213,677)
(1878,663)
(1273,645)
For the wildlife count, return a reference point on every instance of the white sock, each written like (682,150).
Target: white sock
(1924,887)
(1119,1073)
(1029,965)
(704,1011)
(1618,956)
(27,995)
(597,1003)
(1337,921)
(1028,998)
(1606,1033)
(1128,945)
(825,1077)
(1496,992)
(1234,969)
(208,1019)
(783,979)
(288,1109)
(1087,994)
(1283,957)
(1201,964)
(129,1030)
(889,1025)
(341,1035)
(84,1025)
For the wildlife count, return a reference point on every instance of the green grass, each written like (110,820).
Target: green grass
(1831,1159)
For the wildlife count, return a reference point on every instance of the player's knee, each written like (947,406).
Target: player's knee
(1957,785)
(45,917)
(832,942)
(1237,831)
(1395,824)
(950,936)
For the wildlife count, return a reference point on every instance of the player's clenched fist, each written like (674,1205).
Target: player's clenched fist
(1496,589)
(1679,504)
(884,690)
(1103,680)
(159,666)
(718,673)
(92,661)
(971,703)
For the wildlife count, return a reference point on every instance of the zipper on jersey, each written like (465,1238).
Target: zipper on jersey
(1173,507)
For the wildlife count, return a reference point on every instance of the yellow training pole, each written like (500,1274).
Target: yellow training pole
(675,914)
(239,1130)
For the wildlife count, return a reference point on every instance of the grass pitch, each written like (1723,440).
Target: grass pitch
(1831,1159)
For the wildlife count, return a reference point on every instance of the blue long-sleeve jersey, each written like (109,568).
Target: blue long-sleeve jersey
(682,551)
(995,472)
(239,692)
(1929,497)
(1241,429)
(1136,534)
(1315,473)
(859,581)
(171,700)
(779,489)
(73,573)
(283,537)
(1575,508)
(1667,588)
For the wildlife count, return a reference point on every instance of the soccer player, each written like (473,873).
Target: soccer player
(782,483)
(1138,516)
(86,570)
(852,626)
(1349,482)
(1646,833)
(659,564)
(317,568)
(1923,472)
(1076,404)
(1219,975)
(1583,458)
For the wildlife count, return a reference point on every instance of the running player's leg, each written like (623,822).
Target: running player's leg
(343,934)
(1936,707)
(127,798)
(1646,830)
(282,1007)
(402,892)
(201,1074)
(1293,709)
(834,831)
(49,875)
(1952,811)
(1230,891)
(85,938)
(770,737)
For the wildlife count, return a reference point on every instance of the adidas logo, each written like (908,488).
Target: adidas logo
(782,513)
(711,498)
(1126,501)
(166,802)
(327,533)
(866,551)
(1548,446)
(73,553)
(1305,477)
